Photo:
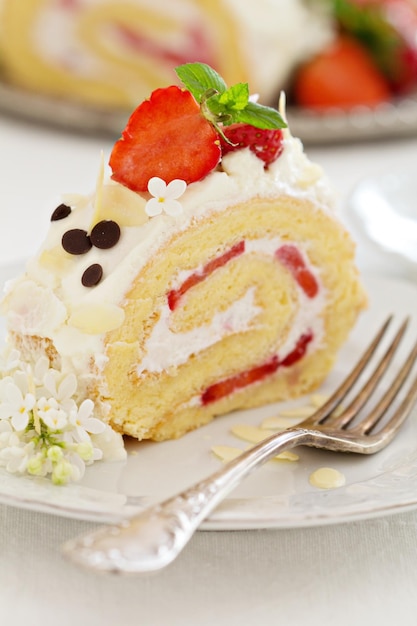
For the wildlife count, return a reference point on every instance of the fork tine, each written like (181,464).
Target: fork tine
(336,398)
(368,424)
(362,396)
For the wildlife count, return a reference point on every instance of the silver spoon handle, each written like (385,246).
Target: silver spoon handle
(152,539)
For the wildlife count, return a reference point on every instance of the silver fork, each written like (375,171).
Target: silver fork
(152,539)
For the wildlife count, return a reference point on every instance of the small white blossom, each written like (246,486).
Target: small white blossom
(62,472)
(15,457)
(38,465)
(165,197)
(16,406)
(40,370)
(83,423)
(60,388)
(9,359)
(51,413)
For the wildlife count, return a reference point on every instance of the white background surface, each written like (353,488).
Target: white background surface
(356,573)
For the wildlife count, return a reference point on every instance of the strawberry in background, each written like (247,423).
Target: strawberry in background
(372,60)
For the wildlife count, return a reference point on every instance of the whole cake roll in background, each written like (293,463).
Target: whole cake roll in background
(111,54)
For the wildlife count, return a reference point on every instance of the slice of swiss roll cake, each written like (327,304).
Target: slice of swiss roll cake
(207,273)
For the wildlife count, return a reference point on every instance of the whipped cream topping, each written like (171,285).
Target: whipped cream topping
(75,317)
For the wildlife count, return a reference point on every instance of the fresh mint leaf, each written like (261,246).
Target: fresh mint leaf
(223,106)
(236,97)
(260,116)
(200,78)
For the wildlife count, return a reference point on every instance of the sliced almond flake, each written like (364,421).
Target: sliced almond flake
(253,434)
(226,453)
(279,423)
(229,453)
(286,456)
(282,456)
(298,411)
(318,399)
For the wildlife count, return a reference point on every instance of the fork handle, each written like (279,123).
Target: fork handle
(152,539)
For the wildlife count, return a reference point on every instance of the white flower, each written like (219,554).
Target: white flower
(52,415)
(61,388)
(110,443)
(83,423)
(9,359)
(8,436)
(38,465)
(62,472)
(44,430)
(15,458)
(40,369)
(16,405)
(165,196)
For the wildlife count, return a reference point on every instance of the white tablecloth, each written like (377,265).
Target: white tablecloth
(358,573)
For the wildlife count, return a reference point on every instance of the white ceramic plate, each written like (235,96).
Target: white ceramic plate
(391,119)
(277,495)
(385,210)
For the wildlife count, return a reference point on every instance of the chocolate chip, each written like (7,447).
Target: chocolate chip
(60,212)
(76,241)
(105,234)
(92,275)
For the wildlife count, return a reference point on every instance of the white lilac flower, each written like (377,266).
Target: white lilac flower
(8,436)
(38,464)
(41,368)
(17,406)
(15,457)
(165,197)
(83,423)
(44,429)
(9,359)
(52,415)
(61,388)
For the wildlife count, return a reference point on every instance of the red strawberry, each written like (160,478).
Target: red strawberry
(228,385)
(290,256)
(266,144)
(395,49)
(166,136)
(388,31)
(174,296)
(342,76)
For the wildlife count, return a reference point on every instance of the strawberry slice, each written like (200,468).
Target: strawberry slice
(175,295)
(227,386)
(166,136)
(265,143)
(291,257)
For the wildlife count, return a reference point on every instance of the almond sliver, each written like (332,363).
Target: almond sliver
(226,453)
(279,423)
(298,411)
(318,399)
(287,455)
(253,434)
